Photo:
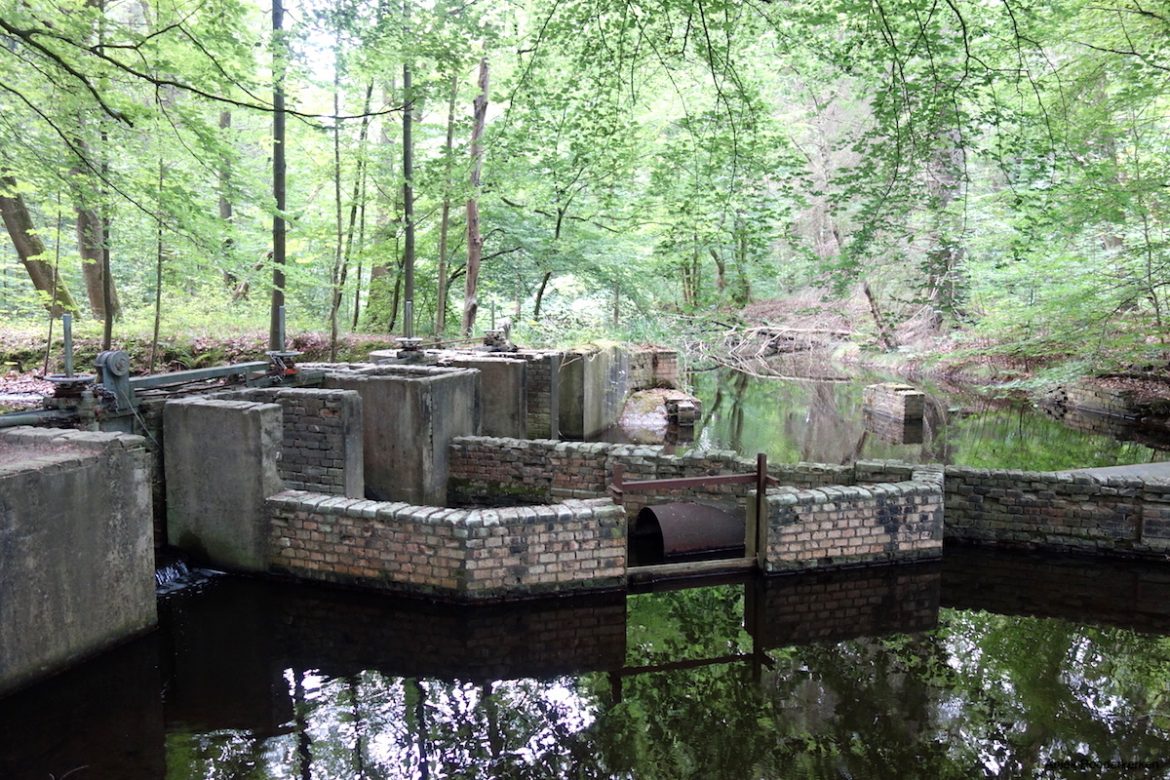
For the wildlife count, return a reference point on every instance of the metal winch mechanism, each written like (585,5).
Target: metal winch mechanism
(112,397)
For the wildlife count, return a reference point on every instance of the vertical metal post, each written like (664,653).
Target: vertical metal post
(67,325)
(408,319)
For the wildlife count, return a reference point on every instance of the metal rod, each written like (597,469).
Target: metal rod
(681,483)
(408,319)
(196,375)
(280,329)
(14,419)
(67,325)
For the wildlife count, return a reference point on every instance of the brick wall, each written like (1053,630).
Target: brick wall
(458,554)
(895,401)
(1061,511)
(321,441)
(543,393)
(849,525)
(824,517)
(842,605)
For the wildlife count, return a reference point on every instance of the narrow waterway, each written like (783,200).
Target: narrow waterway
(824,421)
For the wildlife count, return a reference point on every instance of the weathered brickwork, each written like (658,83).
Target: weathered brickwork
(1061,511)
(652,367)
(321,442)
(459,554)
(894,401)
(829,515)
(841,605)
(847,525)
(543,393)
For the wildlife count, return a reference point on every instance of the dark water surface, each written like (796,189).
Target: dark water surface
(823,421)
(983,665)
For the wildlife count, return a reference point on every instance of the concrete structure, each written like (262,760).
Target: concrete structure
(321,438)
(503,392)
(215,500)
(895,401)
(76,552)
(410,414)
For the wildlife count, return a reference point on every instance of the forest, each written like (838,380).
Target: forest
(989,176)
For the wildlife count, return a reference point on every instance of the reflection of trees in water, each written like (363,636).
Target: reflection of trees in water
(982,694)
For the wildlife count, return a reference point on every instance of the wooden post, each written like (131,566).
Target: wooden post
(615,487)
(759,527)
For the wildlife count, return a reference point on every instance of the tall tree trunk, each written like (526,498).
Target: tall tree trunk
(884,334)
(278,174)
(720,271)
(474,239)
(408,188)
(31,250)
(445,219)
(540,294)
(90,233)
(357,293)
(378,297)
(226,211)
(335,277)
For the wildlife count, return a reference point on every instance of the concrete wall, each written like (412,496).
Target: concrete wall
(410,414)
(503,392)
(321,442)
(221,463)
(454,554)
(76,548)
(1060,511)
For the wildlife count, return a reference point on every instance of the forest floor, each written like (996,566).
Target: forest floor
(924,348)
(808,320)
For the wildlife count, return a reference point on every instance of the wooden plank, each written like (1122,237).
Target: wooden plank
(691,568)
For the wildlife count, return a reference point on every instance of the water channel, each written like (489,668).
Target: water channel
(987,664)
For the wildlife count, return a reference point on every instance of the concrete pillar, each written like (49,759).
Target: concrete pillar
(76,548)
(221,464)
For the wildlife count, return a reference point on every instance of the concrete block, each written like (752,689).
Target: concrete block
(410,415)
(503,393)
(76,551)
(221,466)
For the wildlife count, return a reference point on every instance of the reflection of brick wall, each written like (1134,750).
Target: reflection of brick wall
(1130,594)
(844,525)
(1068,511)
(838,606)
(340,634)
(455,553)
